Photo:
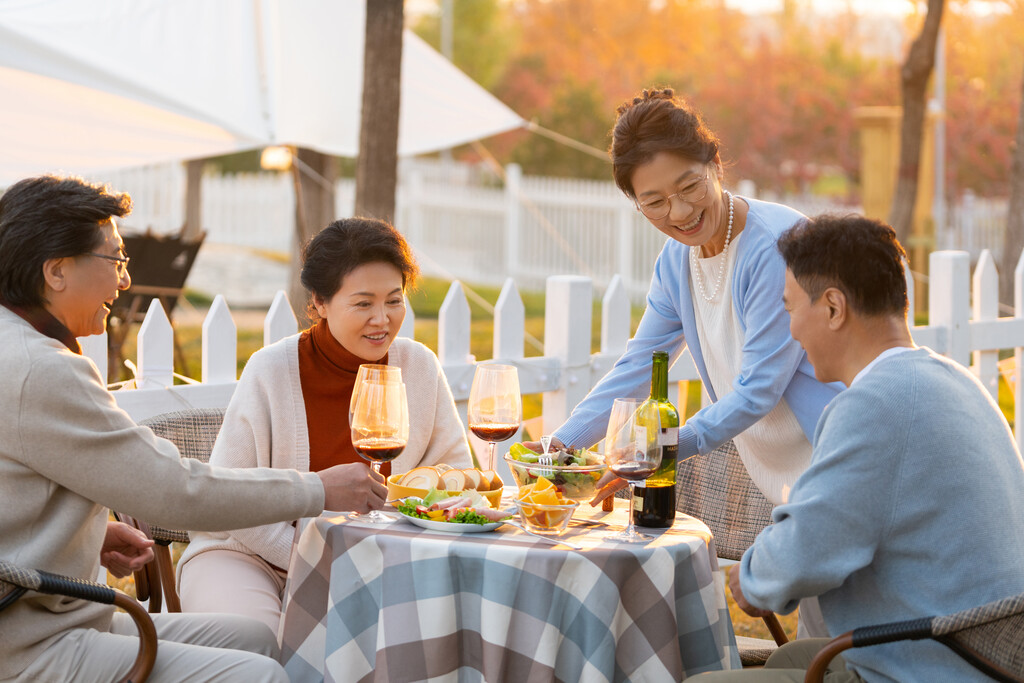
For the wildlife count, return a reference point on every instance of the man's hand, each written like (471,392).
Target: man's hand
(737,595)
(125,549)
(353,487)
(607,485)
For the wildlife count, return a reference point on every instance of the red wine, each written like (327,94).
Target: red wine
(633,470)
(379,450)
(494,432)
(654,506)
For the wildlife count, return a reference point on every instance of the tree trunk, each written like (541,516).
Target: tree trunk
(1013,241)
(377,166)
(914,76)
(313,176)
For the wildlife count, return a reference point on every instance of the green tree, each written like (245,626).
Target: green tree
(482,40)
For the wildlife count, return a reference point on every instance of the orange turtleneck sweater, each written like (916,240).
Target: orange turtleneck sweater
(327,374)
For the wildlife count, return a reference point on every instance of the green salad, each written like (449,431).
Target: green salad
(578,484)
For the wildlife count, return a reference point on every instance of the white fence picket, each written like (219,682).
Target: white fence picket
(985,291)
(156,349)
(509,323)
(280,321)
(615,318)
(409,324)
(567,318)
(453,327)
(220,344)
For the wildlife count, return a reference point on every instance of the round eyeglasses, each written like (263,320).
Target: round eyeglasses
(658,207)
(121,261)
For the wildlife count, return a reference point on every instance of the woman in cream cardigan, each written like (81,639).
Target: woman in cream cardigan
(291,405)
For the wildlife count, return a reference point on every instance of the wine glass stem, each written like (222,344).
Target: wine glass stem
(490,454)
(630,529)
(376,466)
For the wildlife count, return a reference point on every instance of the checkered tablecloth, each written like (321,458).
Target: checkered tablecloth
(399,603)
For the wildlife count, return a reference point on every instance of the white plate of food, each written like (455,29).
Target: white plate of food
(452,527)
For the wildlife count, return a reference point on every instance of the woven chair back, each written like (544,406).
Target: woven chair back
(716,489)
(193,431)
(991,637)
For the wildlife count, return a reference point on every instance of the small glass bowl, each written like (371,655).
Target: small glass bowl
(545,519)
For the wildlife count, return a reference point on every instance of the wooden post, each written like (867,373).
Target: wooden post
(879,168)
(193,200)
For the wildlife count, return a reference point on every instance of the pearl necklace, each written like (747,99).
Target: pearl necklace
(698,275)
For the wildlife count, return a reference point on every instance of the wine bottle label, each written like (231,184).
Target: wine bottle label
(669,437)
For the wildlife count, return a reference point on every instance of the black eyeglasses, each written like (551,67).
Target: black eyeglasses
(121,261)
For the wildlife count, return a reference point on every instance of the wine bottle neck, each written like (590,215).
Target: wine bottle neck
(659,379)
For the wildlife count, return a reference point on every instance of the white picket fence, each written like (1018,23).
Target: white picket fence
(969,334)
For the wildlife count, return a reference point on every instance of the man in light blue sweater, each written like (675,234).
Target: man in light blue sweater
(913,505)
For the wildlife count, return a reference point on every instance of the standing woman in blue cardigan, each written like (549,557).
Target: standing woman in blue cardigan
(717,290)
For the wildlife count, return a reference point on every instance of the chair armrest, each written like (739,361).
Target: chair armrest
(913,629)
(55,584)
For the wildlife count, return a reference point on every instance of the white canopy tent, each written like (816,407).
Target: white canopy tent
(89,85)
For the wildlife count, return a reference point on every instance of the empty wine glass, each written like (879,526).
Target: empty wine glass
(495,406)
(631,451)
(380,425)
(374,373)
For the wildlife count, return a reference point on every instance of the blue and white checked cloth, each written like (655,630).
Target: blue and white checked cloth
(399,603)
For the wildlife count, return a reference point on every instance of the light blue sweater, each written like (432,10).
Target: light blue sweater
(913,506)
(774,366)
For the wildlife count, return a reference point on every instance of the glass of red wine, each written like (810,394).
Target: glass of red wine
(495,407)
(380,426)
(632,453)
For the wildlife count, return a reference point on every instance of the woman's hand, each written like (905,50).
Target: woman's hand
(535,445)
(353,487)
(125,549)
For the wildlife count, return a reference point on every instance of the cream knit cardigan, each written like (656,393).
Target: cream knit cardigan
(265,426)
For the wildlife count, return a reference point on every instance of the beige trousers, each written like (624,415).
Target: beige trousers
(192,648)
(788,664)
(230,582)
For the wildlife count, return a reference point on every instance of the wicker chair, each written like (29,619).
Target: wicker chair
(15,581)
(194,432)
(716,489)
(990,638)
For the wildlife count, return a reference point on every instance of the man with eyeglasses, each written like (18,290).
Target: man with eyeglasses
(68,453)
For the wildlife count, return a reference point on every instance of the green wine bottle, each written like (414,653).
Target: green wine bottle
(654,500)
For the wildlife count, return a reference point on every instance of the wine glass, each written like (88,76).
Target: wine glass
(495,406)
(631,451)
(375,373)
(380,425)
